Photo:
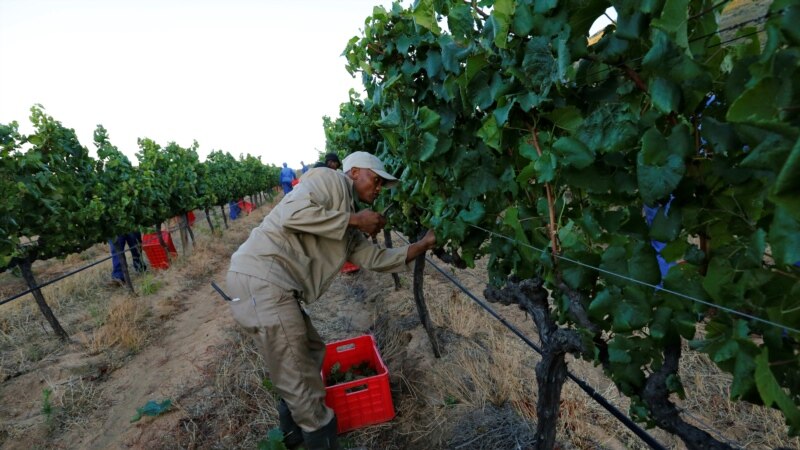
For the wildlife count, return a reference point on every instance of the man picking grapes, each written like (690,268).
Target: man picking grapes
(290,259)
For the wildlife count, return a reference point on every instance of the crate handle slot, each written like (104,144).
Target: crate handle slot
(354,389)
(345,347)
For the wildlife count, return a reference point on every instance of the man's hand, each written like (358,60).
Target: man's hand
(367,221)
(421,246)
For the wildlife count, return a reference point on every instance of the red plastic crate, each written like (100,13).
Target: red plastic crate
(155,253)
(349,267)
(246,206)
(363,402)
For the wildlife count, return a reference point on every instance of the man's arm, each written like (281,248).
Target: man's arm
(312,208)
(421,246)
(367,221)
(373,257)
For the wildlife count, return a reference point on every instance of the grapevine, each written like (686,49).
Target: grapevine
(661,158)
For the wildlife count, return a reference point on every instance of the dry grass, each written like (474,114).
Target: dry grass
(123,327)
(71,403)
(102,320)
(26,337)
(231,409)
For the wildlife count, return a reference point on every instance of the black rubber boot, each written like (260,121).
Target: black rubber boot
(292,434)
(322,439)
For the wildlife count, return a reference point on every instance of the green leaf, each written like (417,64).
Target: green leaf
(665,94)
(787,185)
(428,119)
(428,147)
(675,250)
(425,15)
(659,167)
(453,54)
(659,51)
(660,326)
(784,237)
(609,127)
(743,381)
(630,26)
(727,351)
(673,20)
(603,303)
(390,119)
(545,167)
(503,108)
(544,6)
(573,152)
(759,103)
(576,276)
(720,135)
(631,313)
(788,181)
(666,227)
(527,150)
(433,64)
(539,64)
(501,16)
(490,133)
(617,355)
(474,214)
(719,280)
(522,24)
(567,235)
(460,22)
(642,263)
(568,118)
(772,393)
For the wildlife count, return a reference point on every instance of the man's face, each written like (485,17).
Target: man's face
(333,165)
(367,184)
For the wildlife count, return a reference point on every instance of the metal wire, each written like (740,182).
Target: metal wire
(61,277)
(596,396)
(643,283)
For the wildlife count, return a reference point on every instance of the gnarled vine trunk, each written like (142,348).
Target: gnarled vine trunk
(551,371)
(27,274)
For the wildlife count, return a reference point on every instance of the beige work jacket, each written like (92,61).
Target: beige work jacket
(304,241)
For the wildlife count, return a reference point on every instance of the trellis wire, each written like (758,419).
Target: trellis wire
(644,283)
(593,394)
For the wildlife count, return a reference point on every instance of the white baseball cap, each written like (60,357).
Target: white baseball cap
(364,160)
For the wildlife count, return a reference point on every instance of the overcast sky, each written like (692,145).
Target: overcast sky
(243,76)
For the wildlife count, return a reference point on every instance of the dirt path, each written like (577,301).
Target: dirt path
(159,372)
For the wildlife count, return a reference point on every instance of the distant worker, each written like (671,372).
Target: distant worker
(331,161)
(304,167)
(134,242)
(287,176)
(290,260)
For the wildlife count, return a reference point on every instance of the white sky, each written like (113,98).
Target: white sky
(243,76)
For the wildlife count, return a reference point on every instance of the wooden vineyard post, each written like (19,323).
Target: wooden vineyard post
(422,308)
(181,223)
(163,244)
(188,226)
(27,274)
(224,218)
(208,219)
